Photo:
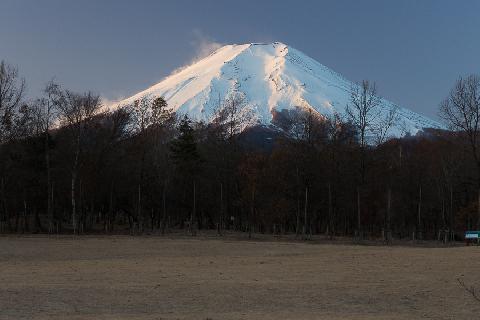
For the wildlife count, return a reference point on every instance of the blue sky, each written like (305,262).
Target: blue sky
(414,50)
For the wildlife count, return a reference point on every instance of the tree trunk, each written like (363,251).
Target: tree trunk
(478,185)
(152,219)
(305,215)
(193,215)
(452,216)
(49,202)
(252,212)
(330,212)
(221,218)
(52,208)
(74,180)
(419,215)
(6,216)
(443,227)
(444,224)
(110,223)
(74,209)
(164,219)
(25,221)
(297,226)
(80,211)
(139,208)
(478,212)
(388,232)
(359,222)
(38,222)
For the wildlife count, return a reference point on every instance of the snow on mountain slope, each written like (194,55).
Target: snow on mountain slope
(272,77)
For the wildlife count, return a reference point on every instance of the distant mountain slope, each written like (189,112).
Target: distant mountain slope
(272,77)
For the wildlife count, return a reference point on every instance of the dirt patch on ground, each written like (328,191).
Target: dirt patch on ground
(123,277)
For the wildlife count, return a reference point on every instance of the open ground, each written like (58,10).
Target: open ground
(121,277)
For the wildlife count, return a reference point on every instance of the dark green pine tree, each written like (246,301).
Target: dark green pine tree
(187,161)
(184,150)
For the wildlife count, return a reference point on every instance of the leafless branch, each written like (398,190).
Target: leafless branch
(470,289)
(12,90)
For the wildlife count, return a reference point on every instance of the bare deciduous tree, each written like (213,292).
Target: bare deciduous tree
(45,117)
(363,109)
(141,111)
(366,114)
(160,112)
(461,109)
(307,125)
(233,114)
(76,111)
(362,113)
(12,90)
(150,116)
(383,125)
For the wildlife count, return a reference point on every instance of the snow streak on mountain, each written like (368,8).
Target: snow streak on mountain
(271,77)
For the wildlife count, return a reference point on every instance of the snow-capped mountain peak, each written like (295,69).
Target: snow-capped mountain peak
(270,77)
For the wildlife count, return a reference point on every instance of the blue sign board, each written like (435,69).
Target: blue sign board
(472,234)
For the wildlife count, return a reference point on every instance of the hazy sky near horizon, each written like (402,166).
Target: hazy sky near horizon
(414,50)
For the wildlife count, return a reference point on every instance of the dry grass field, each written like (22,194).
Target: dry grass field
(121,277)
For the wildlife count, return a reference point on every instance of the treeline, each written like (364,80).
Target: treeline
(68,165)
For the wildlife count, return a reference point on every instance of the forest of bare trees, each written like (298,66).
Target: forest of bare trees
(69,165)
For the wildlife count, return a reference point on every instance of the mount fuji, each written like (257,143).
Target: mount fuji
(271,78)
